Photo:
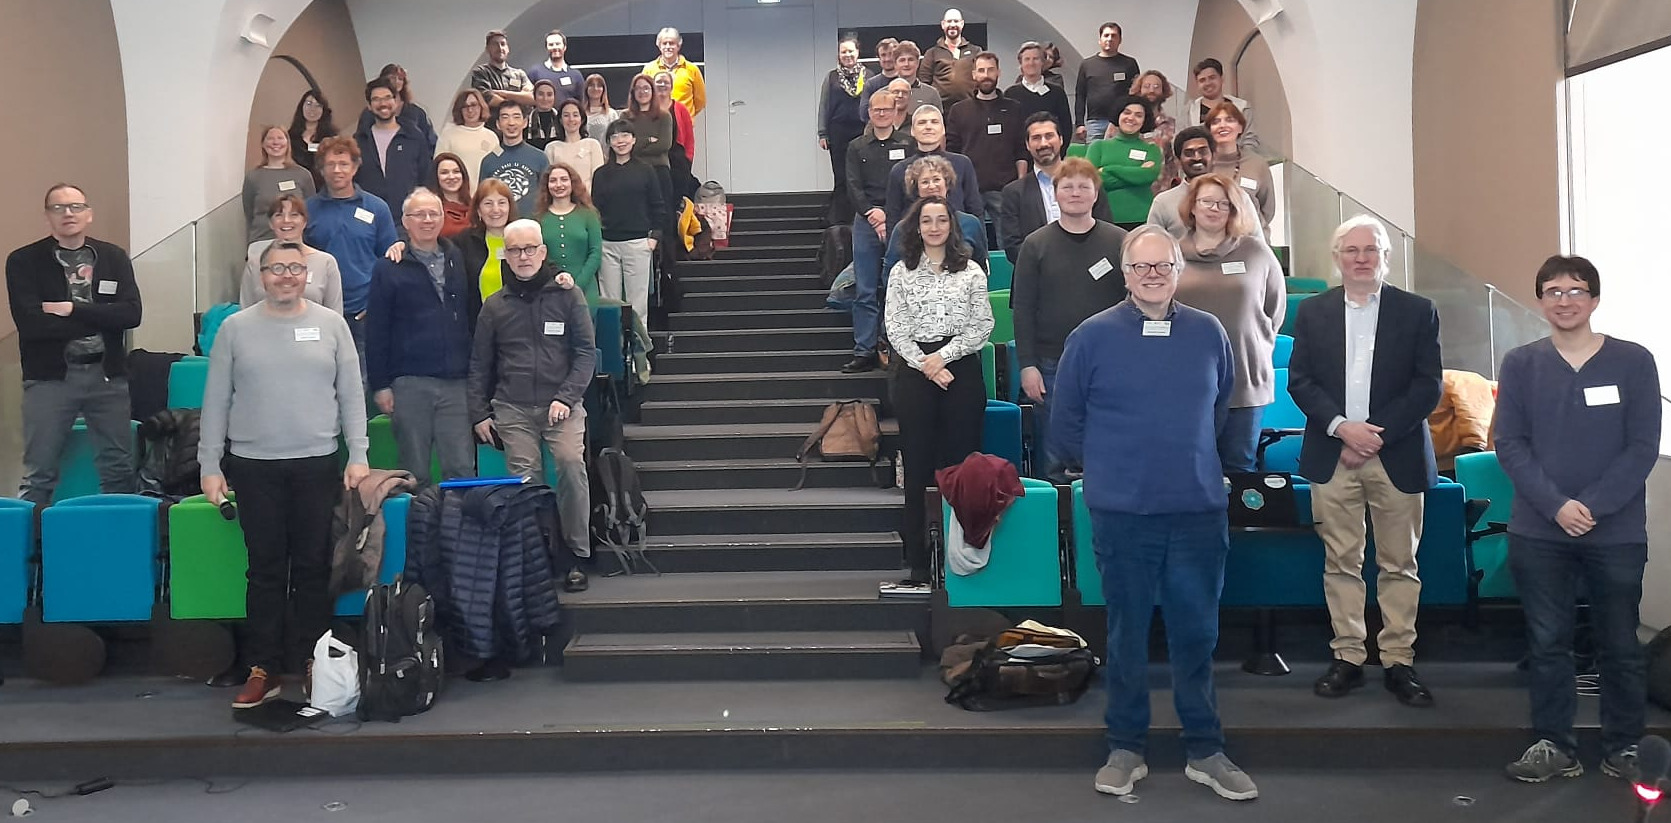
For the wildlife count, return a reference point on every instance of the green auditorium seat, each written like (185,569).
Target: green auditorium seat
(999,272)
(1003,318)
(207,562)
(186,379)
(1306,285)
(1294,301)
(989,369)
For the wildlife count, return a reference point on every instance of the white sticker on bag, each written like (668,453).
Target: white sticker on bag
(1234,267)
(107,287)
(554,329)
(364,216)
(307,335)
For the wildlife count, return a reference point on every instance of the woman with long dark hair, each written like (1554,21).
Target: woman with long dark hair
(570,228)
(574,144)
(453,179)
(937,318)
(654,128)
(595,105)
(309,127)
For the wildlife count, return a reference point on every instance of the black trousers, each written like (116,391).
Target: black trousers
(284,508)
(938,428)
(841,206)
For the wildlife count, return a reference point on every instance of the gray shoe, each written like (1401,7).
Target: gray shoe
(1121,772)
(1223,777)
(1621,764)
(1544,760)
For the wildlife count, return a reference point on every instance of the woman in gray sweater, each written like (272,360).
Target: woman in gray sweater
(1231,274)
(277,176)
(284,382)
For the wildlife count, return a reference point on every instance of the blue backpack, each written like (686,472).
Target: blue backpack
(209,326)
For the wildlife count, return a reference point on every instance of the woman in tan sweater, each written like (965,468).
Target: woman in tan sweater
(1231,274)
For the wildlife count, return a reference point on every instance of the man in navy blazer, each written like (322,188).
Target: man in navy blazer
(1022,209)
(1366,372)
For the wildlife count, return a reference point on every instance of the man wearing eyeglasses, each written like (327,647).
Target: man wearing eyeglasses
(72,297)
(1142,390)
(1578,427)
(418,327)
(1366,373)
(533,357)
(1195,149)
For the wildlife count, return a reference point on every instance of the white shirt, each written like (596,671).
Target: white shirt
(1047,190)
(1361,322)
(1037,88)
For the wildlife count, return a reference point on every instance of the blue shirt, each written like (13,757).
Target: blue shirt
(520,168)
(356,230)
(1141,409)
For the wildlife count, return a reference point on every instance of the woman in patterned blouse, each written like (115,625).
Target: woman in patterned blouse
(937,318)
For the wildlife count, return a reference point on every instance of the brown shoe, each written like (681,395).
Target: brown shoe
(258,689)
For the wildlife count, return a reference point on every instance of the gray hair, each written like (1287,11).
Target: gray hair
(1152,230)
(418,194)
(267,253)
(1376,227)
(671,32)
(524,224)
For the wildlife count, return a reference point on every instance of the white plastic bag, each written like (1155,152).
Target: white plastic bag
(336,676)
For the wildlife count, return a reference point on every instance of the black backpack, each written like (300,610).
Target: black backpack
(985,677)
(835,252)
(620,517)
(168,454)
(401,657)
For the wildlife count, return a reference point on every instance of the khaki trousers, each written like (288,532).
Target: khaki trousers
(1338,507)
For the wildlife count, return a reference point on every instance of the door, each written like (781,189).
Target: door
(772,78)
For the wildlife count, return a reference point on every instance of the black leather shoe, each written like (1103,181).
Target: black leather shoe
(1341,678)
(234,676)
(1401,681)
(576,582)
(860,364)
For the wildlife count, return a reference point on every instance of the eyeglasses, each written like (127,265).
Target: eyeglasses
(283,269)
(424,215)
(1574,293)
(1367,251)
(1213,205)
(1143,269)
(521,251)
(72,208)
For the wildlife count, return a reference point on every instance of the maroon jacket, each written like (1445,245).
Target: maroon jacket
(979,490)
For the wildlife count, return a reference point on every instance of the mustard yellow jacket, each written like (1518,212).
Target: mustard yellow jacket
(688,86)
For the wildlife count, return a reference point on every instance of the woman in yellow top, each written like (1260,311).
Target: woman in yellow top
(483,245)
(1128,163)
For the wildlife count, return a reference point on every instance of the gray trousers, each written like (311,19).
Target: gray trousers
(50,408)
(523,428)
(624,274)
(431,417)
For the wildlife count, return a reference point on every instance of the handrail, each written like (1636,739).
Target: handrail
(188,224)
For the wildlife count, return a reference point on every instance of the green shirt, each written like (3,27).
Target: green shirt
(574,243)
(1128,182)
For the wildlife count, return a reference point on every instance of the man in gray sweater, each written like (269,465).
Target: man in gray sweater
(1578,426)
(284,382)
(533,356)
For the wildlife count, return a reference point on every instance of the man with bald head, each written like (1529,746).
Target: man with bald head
(418,326)
(949,64)
(533,357)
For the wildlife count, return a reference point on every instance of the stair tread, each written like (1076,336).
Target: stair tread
(738,463)
(832,374)
(697,355)
(806,402)
(733,430)
(830,641)
(739,587)
(717,295)
(772,498)
(801,540)
(733,313)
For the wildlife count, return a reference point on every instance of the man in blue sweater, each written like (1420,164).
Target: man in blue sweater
(353,225)
(1578,425)
(1141,392)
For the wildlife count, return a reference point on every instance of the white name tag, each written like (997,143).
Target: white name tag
(1137,154)
(1601,396)
(307,335)
(313,147)
(1157,328)
(995,128)
(1234,268)
(1119,75)
(1101,268)
(500,253)
(554,329)
(1250,184)
(287,185)
(107,287)
(310,278)
(896,154)
(363,216)
(565,80)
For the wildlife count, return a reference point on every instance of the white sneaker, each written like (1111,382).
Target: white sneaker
(1122,771)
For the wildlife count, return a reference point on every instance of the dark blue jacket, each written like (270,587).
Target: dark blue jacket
(408,167)
(410,330)
(965,194)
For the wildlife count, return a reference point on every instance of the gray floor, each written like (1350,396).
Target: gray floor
(810,797)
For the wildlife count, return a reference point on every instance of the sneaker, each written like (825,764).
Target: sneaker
(1543,761)
(258,689)
(1621,764)
(576,582)
(1223,777)
(906,588)
(1121,772)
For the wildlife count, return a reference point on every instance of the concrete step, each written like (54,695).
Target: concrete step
(754,441)
(798,237)
(778,264)
(816,211)
(742,656)
(757,319)
(766,223)
(760,340)
(744,387)
(776,472)
(778,199)
(684,553)
(774,511)
(767,250)
(755,361)
(751,283)
(743,602)
(804,411)
(753,300)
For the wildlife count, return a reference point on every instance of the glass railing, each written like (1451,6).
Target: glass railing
(1478,323)
(187,272)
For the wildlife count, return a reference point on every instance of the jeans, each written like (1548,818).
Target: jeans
(1547,574)
(49,411)
(523,429)
(1096,129)
(1045,463)
(868,283)
(431,417)
(357,331)
(1238,441)
(994,202)
(284,508)
(937,428)
(1179,560)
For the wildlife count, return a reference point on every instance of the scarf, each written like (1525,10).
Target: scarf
(852,80)
(525,289)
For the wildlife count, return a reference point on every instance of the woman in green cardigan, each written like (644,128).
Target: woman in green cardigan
(1129,164)
(570,227)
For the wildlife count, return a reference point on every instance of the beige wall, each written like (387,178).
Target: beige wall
(322,38)
(1221,27)
(1485,130)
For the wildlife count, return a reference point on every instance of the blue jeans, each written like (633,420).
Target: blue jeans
(1045,462)
(868,284)
(1238,441)
(1096,129)
(1179,560)
(1547,574)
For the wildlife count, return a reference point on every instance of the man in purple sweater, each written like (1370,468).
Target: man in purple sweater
(1578,422)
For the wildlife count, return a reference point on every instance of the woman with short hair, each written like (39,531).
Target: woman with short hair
(287,221)
(1128,163)
(933,176)
(468,135)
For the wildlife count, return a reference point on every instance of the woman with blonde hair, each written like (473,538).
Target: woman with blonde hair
(278,175)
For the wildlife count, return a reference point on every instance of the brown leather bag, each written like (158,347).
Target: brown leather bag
(849,431)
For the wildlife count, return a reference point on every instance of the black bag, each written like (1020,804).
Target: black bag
(1658,654)
(168,454)
(835,252)
(401,656)
(620,518)
(991,679)
(148,381)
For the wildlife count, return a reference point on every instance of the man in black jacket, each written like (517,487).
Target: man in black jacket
(72,297)
(533,357)
(870,160)
(1366,373)
(1029,204)
(395,154)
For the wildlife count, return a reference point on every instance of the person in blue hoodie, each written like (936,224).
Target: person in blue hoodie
(352,225)
(396,154)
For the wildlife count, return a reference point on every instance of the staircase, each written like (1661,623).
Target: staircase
(759,583)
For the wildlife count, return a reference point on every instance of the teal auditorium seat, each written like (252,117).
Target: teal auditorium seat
(186,379)
(1001,432)
(78,473)
(17,543)
(1087,578)
(1025,567)
(395,509)
(607,324)
(1482,477)
(1000,273)
(1283,352)
(1294,301)
(100,559)
(1282,429)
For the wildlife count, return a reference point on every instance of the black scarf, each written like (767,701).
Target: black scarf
(526,289)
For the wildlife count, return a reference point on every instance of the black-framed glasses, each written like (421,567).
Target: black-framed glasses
(1143,269)
(1213,205)
(283,269)
(521,251)
(1574,293)
(72,208)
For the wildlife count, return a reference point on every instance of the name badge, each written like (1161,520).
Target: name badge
(1250,184)
(1119,75)
(287,185)
(1234,268)
(1601,396)
(553,329)
(994,128)
(313,147)
(310,278)
(565,80)
(896,154)
(1101,268)
(1157,328)
(107,287)
(307,335)
(363,216)
(1137,154)
(500,253)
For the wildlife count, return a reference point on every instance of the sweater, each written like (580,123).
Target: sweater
(520,168)
(410,330)
(1062,278)
(629,201)
(1241,284)
(1252,173)
(282,388)
(262,186)
(964,195)
(567,81)
(653,138)
(1590,435)
(1126,178)
(839,113)
(574,243)
(950,70)
(1164,211)
(323,285)
(34,276)
(472,145)
(989,133)
(1139,406)
(356,230)
(584,156)
(1054,100)
(1101,83)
